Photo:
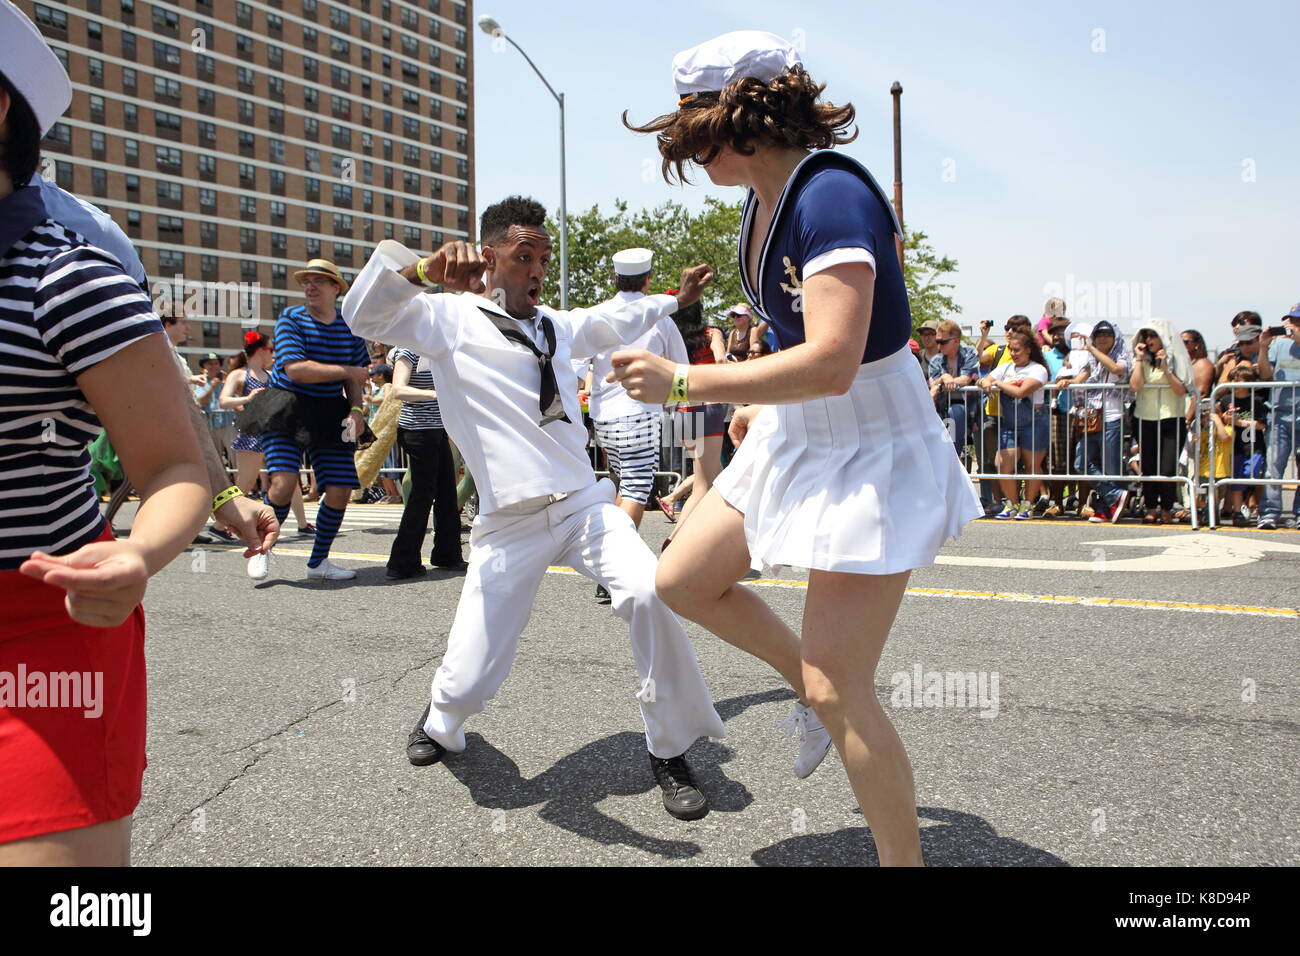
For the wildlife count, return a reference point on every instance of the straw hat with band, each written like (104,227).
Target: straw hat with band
(323,267)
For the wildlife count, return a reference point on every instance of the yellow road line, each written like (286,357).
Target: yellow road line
(1065,599)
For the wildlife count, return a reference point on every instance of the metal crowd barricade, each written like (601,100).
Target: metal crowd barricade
(981,468)
(1270,445)
(670,447)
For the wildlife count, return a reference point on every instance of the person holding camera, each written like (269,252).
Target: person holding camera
(1162,379)
(1279,361)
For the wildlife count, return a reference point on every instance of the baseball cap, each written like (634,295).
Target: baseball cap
(1102,328)
(1247,333)
(31,67)
(210,357)
(1294,313)
(930,325)
(739,309)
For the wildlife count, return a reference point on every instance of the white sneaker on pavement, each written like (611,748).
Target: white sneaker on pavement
(814,739)
(258,566)
(329,572)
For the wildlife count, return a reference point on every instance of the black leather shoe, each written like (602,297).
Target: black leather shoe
(398,574)
(421,749)
(460,564)
(602,596)
(682,798)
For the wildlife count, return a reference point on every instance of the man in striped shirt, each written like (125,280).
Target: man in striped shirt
(318,359)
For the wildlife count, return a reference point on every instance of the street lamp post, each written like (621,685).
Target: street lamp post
(896,91)
(490,26)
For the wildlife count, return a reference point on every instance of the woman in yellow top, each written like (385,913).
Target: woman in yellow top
(1161,377)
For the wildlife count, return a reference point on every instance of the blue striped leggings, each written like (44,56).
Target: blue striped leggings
(333,466)
(632,446)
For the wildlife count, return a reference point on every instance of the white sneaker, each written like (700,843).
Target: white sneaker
(814,739)
(329,572)
(258,566)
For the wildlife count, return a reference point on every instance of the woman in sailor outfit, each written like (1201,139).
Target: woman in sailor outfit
(846,470)
(509,400)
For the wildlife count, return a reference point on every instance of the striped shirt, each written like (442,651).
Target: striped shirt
(65,306)
(299,337)
(418,415)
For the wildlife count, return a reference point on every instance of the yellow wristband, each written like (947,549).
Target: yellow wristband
(229,494)
(358,409)
(419,272)
(677,391)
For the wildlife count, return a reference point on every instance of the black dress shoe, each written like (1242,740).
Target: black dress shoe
(400,573)
(602,596)
(459,564)
(682,798)
(421,749)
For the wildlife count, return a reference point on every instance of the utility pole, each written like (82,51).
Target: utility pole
(897,92)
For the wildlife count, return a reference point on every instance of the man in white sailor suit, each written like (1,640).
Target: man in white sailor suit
(626,429)
(508,397)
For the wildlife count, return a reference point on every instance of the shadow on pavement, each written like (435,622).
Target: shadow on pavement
(569,791)
(963,839)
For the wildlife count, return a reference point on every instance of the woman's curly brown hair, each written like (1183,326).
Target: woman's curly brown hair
(783,112)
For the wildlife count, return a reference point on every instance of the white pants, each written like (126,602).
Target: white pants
(508,556)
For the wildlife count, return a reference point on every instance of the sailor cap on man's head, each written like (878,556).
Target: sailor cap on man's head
(709,67)
(633,262)
(31,67)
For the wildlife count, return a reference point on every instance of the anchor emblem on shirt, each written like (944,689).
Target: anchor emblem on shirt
(796,288)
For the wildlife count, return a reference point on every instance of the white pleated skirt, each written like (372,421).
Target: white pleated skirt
(866,482)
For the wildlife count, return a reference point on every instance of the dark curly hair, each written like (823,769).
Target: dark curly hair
(20,153)
(785,112)
(511,211)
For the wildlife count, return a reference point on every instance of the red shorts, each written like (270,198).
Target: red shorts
(72,713)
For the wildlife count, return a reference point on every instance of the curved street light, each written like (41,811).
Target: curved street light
(491,27)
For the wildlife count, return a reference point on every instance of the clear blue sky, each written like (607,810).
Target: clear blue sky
(1119,166)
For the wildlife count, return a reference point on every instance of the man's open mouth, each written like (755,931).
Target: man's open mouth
(534,293)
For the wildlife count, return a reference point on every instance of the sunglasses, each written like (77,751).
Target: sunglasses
(944,341)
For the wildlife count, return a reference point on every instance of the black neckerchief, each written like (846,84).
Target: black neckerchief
(549,400)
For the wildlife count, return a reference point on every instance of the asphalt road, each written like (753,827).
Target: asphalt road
(1145,714)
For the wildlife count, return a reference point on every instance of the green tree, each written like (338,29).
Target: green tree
(925,274)
(677,236)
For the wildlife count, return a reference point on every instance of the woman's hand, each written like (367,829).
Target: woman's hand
(105,580)
(354,426)
(741,419)
(646,376)
(252,521)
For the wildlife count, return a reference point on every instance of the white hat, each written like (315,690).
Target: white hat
(632,262)
(709,67)
(31,67)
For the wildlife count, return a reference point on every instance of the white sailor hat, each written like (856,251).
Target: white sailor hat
(633,262)
(31,67)
(709,67)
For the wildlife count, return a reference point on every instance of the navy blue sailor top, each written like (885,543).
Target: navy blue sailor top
(831,202)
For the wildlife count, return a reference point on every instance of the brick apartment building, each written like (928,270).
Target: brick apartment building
(232,141)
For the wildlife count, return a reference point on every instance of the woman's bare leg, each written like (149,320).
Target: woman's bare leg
(846,621)
(299,512)
(247,466)
(697,578)
(708,465)
(104,844)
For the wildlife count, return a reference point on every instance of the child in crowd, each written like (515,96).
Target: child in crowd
(1245,410)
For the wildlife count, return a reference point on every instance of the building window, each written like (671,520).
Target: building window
(207,101)
(309,67)
(128,45)
(248,270)
(277,210)
(247,112)
(208,233)
(165,21)
(342,194)
(97,143)
(313,218)
(168,192)
(309,37)
(311,127)
(247,142)
(341,78)
(208,167)
(131,151)
(96,69)
(170,261)
(277,181)
(206,66)
(311,185)
(163,88)
(309,97)
(342,224)
(128,80)
(276,148)
(244,79)
(247,239)
(341,136)
(247,175)
(412,236)
(311,159)
(207,134)
(342,253)
(166,124)
(275,87)
(313,248)
(96,108)
(278,303)
(247,207)
(243,15)
(279,274)
(99,182)
(166,55)
(274,56)
(207,198)
(167,157)
(55,20)
(208,264)
(63,175)
(244,46)
(94,34)
(170,227)
(340,48)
